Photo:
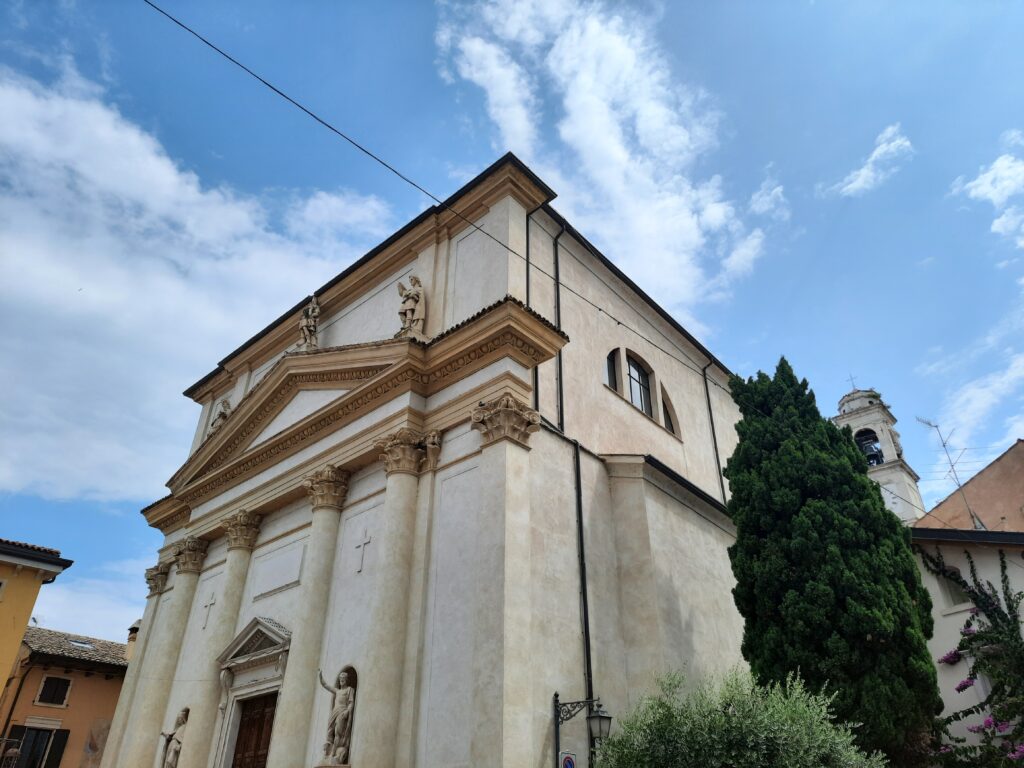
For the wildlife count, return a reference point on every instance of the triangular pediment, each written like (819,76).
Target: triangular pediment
(262,638)
(299,384)
(363,377)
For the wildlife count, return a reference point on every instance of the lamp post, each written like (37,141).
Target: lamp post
(599,722)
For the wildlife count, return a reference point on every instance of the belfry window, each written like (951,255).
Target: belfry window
(639,386)
(611,370)
(869,445)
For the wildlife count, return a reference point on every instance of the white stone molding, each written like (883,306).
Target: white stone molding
(156,578)
(402,452)
(505,418)
(328,486)
(190,553)
(241,529)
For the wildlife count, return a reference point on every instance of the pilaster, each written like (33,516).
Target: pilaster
(327,488)
(501,691)
(156,579)
(241,530)
(144,724)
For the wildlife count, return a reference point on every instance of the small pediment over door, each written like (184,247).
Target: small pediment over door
(263,641)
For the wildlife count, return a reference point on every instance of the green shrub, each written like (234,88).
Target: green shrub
(734,724)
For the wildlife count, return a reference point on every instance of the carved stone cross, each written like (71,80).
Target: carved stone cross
(208,605)
(361,546)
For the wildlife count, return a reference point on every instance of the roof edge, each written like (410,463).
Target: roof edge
(507,159)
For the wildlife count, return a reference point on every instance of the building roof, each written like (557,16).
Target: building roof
(50,642)
(995,495)
(549,195)
(34,552)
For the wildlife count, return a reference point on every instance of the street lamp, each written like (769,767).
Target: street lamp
(599,722)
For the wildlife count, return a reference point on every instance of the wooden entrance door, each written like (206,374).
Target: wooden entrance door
(254,729)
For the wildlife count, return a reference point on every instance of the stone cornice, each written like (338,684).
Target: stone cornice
(505,330)
(167,515)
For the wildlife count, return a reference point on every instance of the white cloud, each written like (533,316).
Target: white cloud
(891,149)
(102,606)
(121,276)
(508,88)
(998,184)
(1011,138)
(628,135)
(770,200)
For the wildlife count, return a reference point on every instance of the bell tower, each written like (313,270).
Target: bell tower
(875,433)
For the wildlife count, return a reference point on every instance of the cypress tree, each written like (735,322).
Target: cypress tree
(826,581)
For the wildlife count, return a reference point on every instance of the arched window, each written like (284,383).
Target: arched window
(668,414)
(611,370)
(639,386)
(955,594)
(867,441)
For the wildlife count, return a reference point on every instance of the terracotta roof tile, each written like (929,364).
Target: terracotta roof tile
(31,547)
(68,646)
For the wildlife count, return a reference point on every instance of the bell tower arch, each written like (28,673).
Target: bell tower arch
(874,431)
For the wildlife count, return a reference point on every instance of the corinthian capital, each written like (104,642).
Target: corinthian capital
(505,418)
(402,452)
(327,487)
(190,554)
(156,578)
(241,529)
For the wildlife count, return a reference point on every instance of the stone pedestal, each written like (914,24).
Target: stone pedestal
(327,489)
(241,530)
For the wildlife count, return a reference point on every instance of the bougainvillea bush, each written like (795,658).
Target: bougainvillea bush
(735,724)
(991,645)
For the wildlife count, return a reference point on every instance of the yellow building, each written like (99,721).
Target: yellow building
(59,699)
(24,568)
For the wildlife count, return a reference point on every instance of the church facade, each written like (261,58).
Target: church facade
(477,468)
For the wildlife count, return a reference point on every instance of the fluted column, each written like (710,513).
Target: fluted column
(327,488)
(241,530)
(156,579)
(142,735)
(502,693)
(374,745)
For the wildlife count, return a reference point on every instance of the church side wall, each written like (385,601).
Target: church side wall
(601,418)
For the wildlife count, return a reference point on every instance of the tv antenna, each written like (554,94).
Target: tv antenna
(978,525)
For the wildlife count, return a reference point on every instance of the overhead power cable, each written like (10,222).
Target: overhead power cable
(688,363)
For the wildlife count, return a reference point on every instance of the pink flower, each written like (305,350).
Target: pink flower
(951,658)
(975,728)
(963,685)
(1002,727)
(1018,753)
(968,631)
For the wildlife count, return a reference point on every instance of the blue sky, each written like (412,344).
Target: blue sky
(840,183)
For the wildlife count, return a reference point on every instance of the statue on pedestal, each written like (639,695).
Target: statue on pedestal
(413,311)
(172,740)
(309,324)
(223,412)
(339,726)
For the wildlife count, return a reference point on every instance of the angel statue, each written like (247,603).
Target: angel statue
(339,726)
(309,323)
(413,309)
(172,740)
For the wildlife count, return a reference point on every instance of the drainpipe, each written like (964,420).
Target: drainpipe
(558,324)
(17,694)
(536,375)
(714,437)
(588,668)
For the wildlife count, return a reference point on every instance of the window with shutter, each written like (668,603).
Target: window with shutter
(60,740)
(54,691)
